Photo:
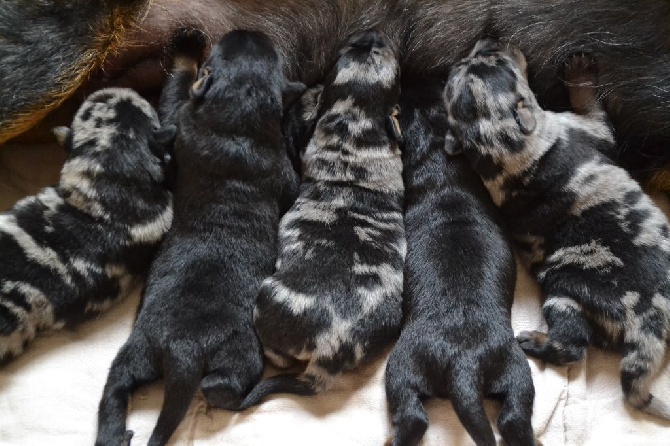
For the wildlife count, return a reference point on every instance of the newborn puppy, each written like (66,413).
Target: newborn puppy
(233,171)
(597,244)
(76,248)
(335,299)
(460,274)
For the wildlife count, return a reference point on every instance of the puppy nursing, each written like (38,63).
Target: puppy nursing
(335,299)
(195,327)
(459,283)
(76,248)
(597,244)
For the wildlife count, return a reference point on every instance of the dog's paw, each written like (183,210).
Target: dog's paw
(580,69)
(531,340)
(189,43)
(127,437)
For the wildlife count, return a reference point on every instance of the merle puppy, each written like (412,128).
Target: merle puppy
(460,274)
(76,248)
(335,299)
(233,176)
(597,244)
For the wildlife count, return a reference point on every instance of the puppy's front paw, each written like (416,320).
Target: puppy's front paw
(580,70)
(531,340)
(189,43)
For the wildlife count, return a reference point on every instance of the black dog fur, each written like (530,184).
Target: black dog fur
(234,180)
(459,285)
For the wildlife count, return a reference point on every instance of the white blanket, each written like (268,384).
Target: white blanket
(49,395)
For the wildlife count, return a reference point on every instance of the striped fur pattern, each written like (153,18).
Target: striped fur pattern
(597,244)
(74,249)
(335,299)
(459,283)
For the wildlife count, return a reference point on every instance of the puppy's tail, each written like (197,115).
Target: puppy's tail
(468,402)
(638,367)
(183,372)
(315,379)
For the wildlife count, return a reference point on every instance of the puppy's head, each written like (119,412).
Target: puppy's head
(366,75)
(116,135)
(490,105)
(242,79)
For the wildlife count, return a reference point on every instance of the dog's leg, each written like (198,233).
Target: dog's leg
(404,385)
(514,420)
(235,369)
(644,354)
(279,360)
(580,76)
(183,365)
(468,401)
(131,367)
(569,333)
(187,47)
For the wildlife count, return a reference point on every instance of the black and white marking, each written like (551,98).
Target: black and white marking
(335,299)
(74,249)
(597,244)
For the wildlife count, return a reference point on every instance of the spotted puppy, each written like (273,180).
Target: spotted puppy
(335,299)
(597,244)
(76,248)
(234,179)
(459,285)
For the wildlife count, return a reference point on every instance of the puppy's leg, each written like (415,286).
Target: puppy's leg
(514,420)
(569,333)
(405,382)
(279,360)
(580,75)
(468,401)
(236,368)
(644,354)
(182,368)
(131,367)
(187,47)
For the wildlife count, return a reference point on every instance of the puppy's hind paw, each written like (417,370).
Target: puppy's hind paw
(127,437)
(580,70)
(189,43)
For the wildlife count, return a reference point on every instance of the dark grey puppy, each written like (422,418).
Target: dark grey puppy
(460,274)
(335,299)
(596,243)
(76,248)
(233,180)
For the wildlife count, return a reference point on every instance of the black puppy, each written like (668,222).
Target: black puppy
(459,284)
(232,181)
(76,248)
(335,299)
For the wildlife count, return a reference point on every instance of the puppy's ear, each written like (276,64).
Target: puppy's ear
(166,134)
(291,92)
(524,117)
(394,124)
(63,135)
(201,85)
(451,145)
